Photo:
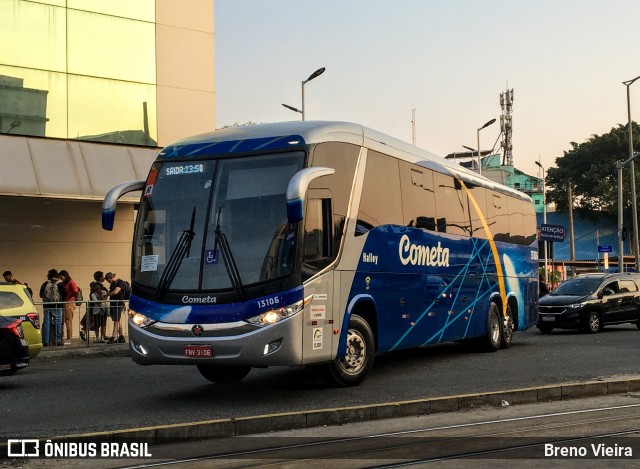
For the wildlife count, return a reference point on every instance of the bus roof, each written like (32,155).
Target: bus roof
(280,135)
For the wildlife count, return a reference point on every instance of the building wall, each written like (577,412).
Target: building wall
(133,72)
(129,72)
(38,234)
(185,82)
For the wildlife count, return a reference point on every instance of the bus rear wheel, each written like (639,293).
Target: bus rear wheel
(355,365)
(507,329)
(223,374)
(492,340)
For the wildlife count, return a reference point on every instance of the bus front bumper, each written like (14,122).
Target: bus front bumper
(235,344)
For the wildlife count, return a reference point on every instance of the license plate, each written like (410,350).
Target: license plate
(198,351)
(548,318)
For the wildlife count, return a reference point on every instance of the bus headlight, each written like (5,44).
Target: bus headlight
(140,320)
(276,315)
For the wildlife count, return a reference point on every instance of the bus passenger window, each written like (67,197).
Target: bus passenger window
(452,205)
(318,237)
(428,223)
(381,202)
(418,199)
(498,217)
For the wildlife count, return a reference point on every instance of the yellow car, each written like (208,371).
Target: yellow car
(15,302)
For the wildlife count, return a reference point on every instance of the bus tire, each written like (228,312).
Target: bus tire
(223,374)
(354,367)
(491,341)
(507,329)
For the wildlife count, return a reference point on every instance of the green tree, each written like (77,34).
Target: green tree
(237,124)
(591,169)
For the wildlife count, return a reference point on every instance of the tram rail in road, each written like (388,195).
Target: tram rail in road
(221,428)
(596,428)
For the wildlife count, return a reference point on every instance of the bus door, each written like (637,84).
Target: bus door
(318,254)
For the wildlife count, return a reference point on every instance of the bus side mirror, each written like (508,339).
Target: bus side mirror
(111,200)
(297,188)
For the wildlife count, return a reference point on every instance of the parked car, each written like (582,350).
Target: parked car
(14,349)
(591,301)
(16,303)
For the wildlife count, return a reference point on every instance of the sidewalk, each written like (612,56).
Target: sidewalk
(79,349)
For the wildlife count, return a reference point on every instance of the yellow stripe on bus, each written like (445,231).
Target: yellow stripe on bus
(494,249)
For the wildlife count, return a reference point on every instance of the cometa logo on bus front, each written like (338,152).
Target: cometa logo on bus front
(415,254)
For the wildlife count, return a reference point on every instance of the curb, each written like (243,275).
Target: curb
(46,356)
(223,428)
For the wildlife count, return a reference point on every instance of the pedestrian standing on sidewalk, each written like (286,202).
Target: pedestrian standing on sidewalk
(98,278)
(98,308)
(52,293)
(116,295)
(71,295)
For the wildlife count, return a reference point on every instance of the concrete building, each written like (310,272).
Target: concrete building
(88,90)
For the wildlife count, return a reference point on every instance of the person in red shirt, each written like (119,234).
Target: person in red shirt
(8,277)
(71,290)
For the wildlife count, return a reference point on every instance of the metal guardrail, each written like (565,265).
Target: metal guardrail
(83,308)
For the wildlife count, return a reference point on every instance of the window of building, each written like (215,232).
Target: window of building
(112,111)
(111,47)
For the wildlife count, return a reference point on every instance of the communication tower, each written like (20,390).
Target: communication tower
(506,103)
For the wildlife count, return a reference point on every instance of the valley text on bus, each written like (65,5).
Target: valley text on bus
(322,243)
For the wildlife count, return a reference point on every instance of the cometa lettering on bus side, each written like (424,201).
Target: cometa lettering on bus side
(415,254)
(203,300)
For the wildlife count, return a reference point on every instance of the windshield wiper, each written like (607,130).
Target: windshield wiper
(229,261)
(180,251)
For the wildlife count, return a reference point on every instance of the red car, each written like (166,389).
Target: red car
(14,349)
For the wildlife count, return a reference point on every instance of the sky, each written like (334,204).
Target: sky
(449,60)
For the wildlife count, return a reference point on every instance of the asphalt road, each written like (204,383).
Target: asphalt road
(99,394)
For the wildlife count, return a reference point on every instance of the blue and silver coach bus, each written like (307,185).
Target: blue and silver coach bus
(320,243)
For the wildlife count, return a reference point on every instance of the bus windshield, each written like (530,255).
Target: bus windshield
(215,224)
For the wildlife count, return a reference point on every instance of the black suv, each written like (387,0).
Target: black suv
(590,301)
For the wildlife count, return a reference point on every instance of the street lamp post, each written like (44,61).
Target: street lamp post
(478,135)
(294,109)
(634,209)
(544,220)
(619,166)
(315,74)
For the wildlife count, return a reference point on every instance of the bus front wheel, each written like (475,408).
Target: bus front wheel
(355,365)
(223,374)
